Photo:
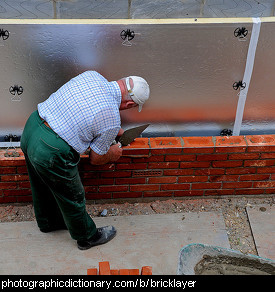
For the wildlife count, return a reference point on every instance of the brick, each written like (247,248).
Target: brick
(219,192)
(106,189)
(266,155)
(188,193)
(196,164)
(138,147)
(198,145)
(266,170)
(7,170)
(223,178)
(98,181)
(180,157)
(211,157)
(23,192)
(104,268)
(209,171)
(100,196)
(131,166)
(241,170)
(158,194)
(24,199)
(250,191)
(114,272)
(260,143)
(158,165)
(92,271)
(12,162)
(260,163)
(127,195)
(178,172)
(237,185)
(175,187)
(243,156)
(8,185)
(232,163)
(197,186)
(139,188)
(230,144)
(164,145)
(264,184)
(254,177)
(131,180)
(5,200)
(146,270)
(123,272)
(116,174)
(17,177)
(194,178)
(161,180)
(133,271)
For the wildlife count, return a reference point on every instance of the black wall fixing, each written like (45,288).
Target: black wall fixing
(127,34)
(11,138)
(226,132)
(239,85)
(16,90)
(240,32)
(4,34)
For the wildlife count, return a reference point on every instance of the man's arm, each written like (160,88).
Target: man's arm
(113,154)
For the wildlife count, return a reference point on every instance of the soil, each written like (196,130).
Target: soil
(233,210)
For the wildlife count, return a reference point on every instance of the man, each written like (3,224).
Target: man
(83,114)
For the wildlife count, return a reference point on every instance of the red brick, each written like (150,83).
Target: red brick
(194,178)
(95,196)
(261,143)
(197,186)
(197,164)
(243,156)
(91,189)
(211,157)
(164,145)
(104,268)
(106,189)
(230,144)
(139,143)
(114,272)
(209,171)
(267,155)
(237,185)
(127,195)
(17,177)
(219,192)
(7,170)
(139,188)
(254,177)
(241,170)
(231,163)
(198,145)
(97,182)
(175,187)
(146,270)
(223,178)
(133,271)
(123,272)
(161,180)
(188,193)
(178,172)
(260,163)
(250,192)
(23,192)
(24,199)
(5,200)
(156,165)
(158,194)
(266,170)
(8,185)
(131,180)
(132,166)
(91,271)
(116,174)
(264,184)
(180,157)
(12,162)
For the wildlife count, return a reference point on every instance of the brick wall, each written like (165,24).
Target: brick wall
(166,167)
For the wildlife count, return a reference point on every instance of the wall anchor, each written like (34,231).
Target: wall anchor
(226,132)
(4,34)
(127,35)
(240,32)
(238,85)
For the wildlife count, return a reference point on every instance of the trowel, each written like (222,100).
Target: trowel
(130,135)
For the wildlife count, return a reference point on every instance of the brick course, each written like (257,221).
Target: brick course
(165,167)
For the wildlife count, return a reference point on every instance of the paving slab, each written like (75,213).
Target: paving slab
(262,222)
(142,240)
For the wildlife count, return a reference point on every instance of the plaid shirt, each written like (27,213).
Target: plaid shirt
(85,112)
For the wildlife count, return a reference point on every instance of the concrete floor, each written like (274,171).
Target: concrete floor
(142,240)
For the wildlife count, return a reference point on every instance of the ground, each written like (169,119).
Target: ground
(233,210)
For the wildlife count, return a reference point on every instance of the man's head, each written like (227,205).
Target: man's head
(134,91)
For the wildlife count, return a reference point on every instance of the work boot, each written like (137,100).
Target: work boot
(102,235)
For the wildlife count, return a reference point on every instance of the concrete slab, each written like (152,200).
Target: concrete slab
(262,218)
(153,240)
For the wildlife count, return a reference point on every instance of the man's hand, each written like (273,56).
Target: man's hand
(114,153)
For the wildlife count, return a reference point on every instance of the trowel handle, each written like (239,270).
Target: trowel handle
(115,142)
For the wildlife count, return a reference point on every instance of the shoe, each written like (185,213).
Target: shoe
(103,235)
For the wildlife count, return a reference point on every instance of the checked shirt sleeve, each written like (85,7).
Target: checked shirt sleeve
(107,125)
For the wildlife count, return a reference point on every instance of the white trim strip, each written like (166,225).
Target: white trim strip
(247,74)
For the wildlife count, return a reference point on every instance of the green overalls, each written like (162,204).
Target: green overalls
(58,193)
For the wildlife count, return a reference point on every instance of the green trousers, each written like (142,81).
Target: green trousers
(58,194)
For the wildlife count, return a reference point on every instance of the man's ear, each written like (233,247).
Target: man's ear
(130,104)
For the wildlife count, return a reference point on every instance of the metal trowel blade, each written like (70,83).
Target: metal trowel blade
(131,134)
